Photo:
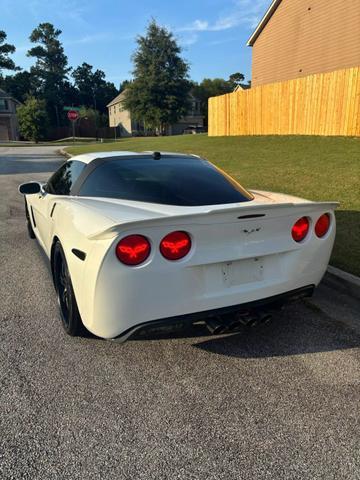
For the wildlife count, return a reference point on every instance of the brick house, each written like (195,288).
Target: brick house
(296,38)
(121,118)
(9,128)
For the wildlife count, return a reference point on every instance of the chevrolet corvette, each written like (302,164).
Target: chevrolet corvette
(145,239)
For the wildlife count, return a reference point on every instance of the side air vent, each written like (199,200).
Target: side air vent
(79,253)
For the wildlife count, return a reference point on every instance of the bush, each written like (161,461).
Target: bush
(33,119)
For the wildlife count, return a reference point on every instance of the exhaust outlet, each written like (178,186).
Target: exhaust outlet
(215,326)
(264,317)
(251,319)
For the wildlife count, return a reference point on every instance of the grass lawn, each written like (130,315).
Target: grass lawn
(317,168)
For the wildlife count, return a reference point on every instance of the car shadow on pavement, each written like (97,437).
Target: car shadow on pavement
(297,330)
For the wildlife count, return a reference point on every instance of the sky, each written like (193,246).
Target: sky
(212,33)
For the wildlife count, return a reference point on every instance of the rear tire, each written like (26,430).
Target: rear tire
(28,222)
(69,313)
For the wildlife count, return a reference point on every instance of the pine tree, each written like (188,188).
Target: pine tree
(5,50)
(159,93)
(94,90)
(51,68)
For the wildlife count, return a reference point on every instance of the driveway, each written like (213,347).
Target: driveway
(276,402)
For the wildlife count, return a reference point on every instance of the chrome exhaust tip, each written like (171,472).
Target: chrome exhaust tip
(264,317)
(215,325)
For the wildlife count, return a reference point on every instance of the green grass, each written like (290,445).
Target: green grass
(317,168)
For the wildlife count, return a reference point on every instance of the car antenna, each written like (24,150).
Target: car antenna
(156,155)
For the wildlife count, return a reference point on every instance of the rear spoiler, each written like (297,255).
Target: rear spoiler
(208,216)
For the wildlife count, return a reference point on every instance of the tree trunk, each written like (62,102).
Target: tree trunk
(57,115)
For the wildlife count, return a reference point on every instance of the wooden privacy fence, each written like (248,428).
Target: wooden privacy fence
(321,104)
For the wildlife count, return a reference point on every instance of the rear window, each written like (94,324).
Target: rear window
(184,181)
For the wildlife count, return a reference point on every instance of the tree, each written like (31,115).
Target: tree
(93,117)
(86,81)
(210,87)
(70,94)
(236,79)
(33,119)
(124,85)
(159,93)
(51,67)
(94,90)
(5,50)
(19,85)
(104,95)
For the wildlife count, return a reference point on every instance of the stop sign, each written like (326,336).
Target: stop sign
(73,115)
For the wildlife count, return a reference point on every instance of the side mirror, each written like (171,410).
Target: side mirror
(30,188)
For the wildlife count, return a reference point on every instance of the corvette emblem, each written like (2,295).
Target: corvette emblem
(253,230)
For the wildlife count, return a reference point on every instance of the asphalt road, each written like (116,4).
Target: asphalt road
(278,402)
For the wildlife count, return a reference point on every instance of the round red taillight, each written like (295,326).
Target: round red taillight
(322,225)
(133,250)
(175,245)
(300,229)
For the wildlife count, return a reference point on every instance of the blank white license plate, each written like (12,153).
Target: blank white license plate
(243,271)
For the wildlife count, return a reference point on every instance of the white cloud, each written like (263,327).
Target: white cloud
(195,26)
(243,12)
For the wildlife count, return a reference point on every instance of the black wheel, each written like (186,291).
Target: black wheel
(69,312)
(28,222)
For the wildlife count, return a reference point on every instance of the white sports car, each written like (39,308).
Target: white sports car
(143,239)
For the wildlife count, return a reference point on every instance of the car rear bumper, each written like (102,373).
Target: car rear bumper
(230,263)
(270,303)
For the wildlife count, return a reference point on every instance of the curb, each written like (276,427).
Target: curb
(342,281)
(64,153)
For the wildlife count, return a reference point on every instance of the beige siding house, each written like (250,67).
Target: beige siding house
(121,118)
(9,128)
(118,117)
(296,38)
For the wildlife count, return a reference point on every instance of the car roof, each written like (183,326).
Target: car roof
(89,157)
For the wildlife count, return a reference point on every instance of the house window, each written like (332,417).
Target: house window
(3,104)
